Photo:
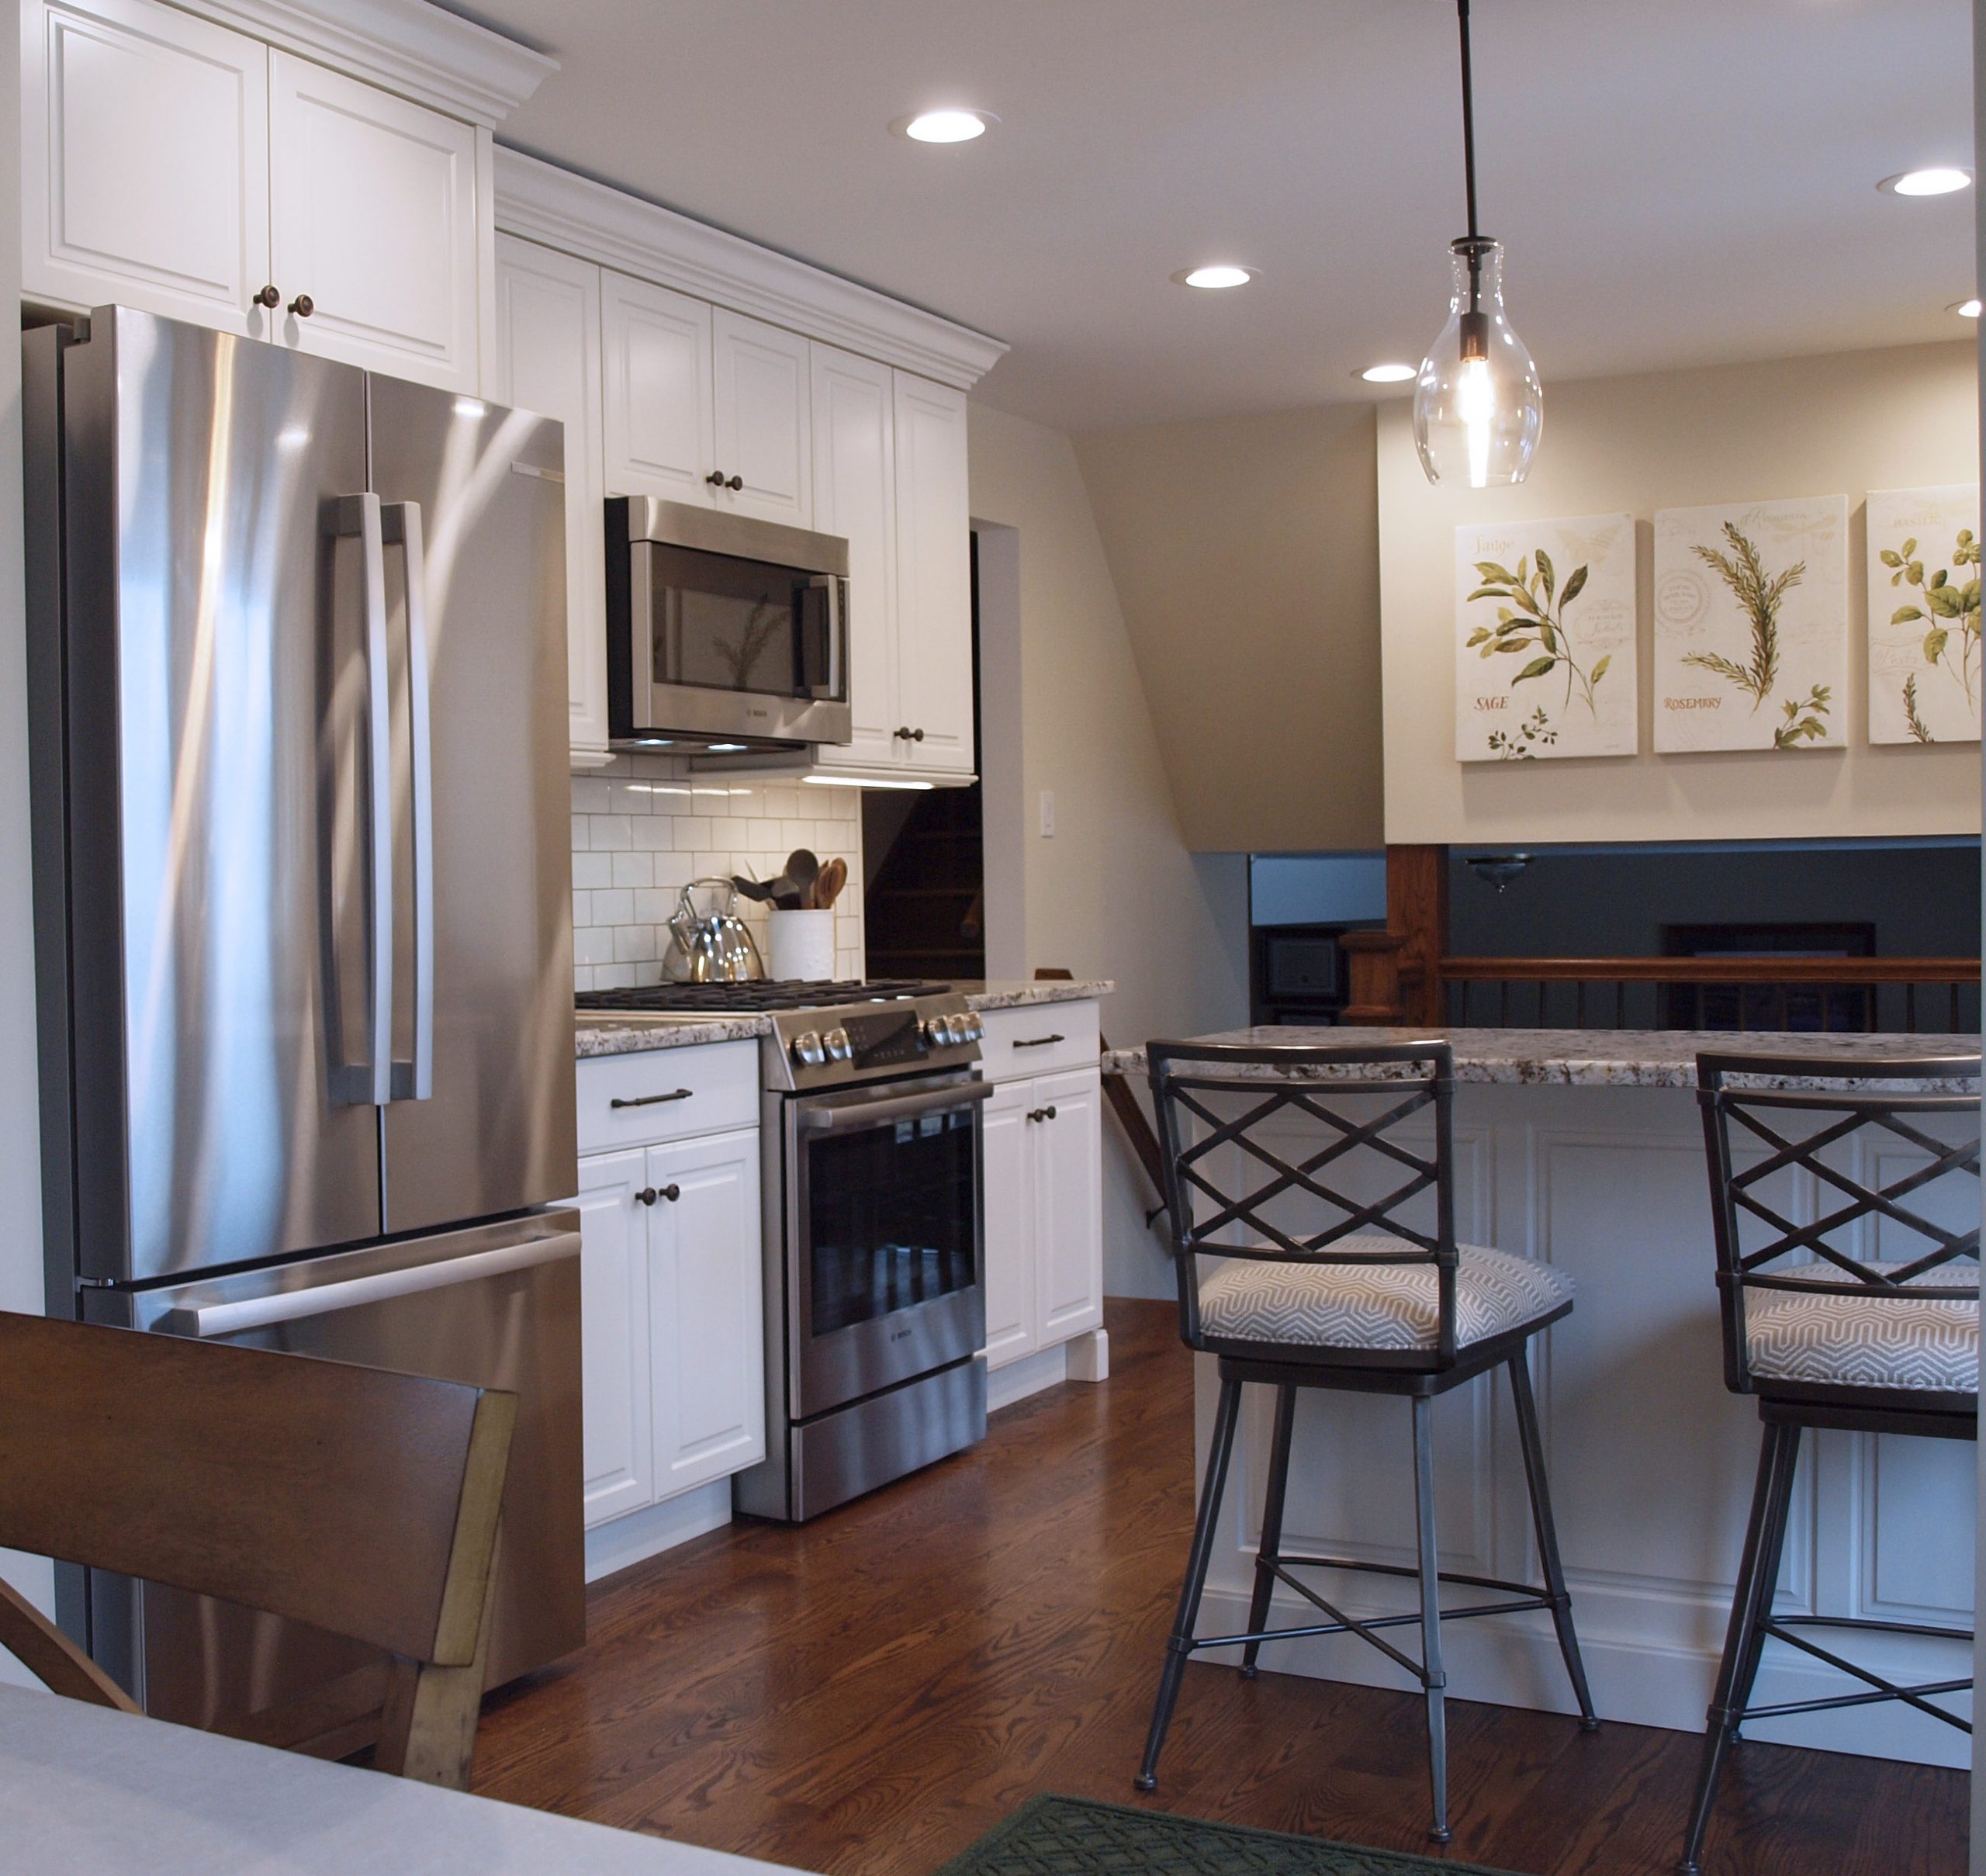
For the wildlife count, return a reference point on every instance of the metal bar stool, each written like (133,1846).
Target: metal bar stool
(1328,1284)
(1840,1342)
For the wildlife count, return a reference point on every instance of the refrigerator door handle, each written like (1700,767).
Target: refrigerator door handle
(413,1080)
(370,1083)
(207,1320)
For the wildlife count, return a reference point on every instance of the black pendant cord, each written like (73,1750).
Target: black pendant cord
(1473,343)
(1468,119)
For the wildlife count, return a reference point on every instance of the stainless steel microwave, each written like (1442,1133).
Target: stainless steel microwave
(724,633)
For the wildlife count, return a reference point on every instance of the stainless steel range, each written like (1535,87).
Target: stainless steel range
(875,1307)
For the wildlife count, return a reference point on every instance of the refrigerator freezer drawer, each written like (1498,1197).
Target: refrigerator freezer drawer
(496,1306)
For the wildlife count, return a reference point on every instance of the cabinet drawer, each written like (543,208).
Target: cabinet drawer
(704,1089)
(1040,1039)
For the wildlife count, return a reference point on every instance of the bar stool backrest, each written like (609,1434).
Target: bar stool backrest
(1216,1102)
(1843,1107)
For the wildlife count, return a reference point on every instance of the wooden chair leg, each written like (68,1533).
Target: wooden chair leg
(1181,1643)
(1267,1554)
(52,1658)
(1433,1679)
(427,1726)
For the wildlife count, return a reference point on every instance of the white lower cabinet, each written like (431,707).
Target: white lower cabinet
(670,1306)
(1044,1213)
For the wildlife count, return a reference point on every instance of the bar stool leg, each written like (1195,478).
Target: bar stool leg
(1433,1679)
(1548,1534)
(1271,1544)
(1768,1563)
(1758,1577)
(1181,1644)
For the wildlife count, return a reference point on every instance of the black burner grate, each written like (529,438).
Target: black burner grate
(732,998)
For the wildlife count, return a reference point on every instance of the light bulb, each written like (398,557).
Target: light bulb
(1478,404)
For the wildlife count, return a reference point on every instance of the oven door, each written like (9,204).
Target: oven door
(884,1224)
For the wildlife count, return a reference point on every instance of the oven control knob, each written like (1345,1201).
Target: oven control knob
(807,1049)
(934,1031)
(838,1046)
(970,1028)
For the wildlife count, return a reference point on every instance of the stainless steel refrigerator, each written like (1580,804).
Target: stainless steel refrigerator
(302,874)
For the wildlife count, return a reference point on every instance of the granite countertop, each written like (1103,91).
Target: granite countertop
(1589,1058)
(614,1033)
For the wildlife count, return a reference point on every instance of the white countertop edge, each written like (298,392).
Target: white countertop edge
(611,1033)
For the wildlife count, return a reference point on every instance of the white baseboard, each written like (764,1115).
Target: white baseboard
(1514,1661)
(1089,1355)
(645,1533)
(1045,1368)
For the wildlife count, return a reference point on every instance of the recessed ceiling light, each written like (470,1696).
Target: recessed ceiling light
(952,124)
(1219,275)
(1965,309)
(1940,181)
(1389,374)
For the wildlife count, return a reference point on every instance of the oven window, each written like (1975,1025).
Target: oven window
(723,624)
(892,1219)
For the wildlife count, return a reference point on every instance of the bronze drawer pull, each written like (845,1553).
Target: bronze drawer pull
(1040,1042)
(681,1094)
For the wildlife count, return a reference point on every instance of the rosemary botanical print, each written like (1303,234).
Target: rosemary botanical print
(1545,639)
(1751,625)
(1923,649)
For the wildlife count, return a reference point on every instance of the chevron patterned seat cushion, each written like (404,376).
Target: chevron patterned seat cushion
(1384,1306)
(1841,1338)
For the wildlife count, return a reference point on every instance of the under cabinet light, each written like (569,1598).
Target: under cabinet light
(861,781)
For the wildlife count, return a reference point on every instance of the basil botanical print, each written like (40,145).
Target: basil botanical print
(1924,654)
(1545,639)
(1751,625)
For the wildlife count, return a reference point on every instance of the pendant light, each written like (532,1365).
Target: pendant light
(1478,406)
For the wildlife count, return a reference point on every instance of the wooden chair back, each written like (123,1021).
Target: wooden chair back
(364,1502)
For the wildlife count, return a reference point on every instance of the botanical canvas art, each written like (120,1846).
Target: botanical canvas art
(1751,625)
(1924,662)
(1545,639)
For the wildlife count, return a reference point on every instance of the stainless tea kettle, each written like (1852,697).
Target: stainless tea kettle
(711,947)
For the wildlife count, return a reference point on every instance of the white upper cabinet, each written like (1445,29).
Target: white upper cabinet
(762,410)
(372,226)
(934,577)
(659,425)
(855,497)
(176,166)
(546,357)
(145,162)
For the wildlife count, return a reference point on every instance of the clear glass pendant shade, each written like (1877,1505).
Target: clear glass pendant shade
(1478,406)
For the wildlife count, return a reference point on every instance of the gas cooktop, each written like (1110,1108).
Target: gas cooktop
(766,994)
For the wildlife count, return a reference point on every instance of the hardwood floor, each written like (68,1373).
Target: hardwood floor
(872,1692)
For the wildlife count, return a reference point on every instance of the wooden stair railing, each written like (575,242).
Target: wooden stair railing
(1142,1141)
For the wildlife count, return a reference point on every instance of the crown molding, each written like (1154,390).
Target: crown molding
(407,46)
(542,202)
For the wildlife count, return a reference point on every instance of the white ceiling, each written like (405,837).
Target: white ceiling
(1677,181)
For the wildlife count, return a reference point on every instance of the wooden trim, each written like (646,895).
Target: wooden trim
(540,201)
(417,50)
(1417,910)
(1763,969)
(1374,965)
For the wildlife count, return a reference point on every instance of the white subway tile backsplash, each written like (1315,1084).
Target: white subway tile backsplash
(644,827)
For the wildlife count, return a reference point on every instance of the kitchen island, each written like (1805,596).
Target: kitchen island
(1585,1149)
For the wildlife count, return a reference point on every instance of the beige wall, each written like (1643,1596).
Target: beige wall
(1115,893)
(1824,426)
(1246,553)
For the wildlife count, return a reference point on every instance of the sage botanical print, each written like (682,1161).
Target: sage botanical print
(1545,639)
(1751,625)
(1923,649)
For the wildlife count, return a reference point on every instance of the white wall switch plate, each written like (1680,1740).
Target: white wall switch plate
(1047,814)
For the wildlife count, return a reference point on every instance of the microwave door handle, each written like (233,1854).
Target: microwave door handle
(413,1080)
(369,1083)
(828,587)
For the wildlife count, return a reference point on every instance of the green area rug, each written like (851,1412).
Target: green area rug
(1050,1836)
